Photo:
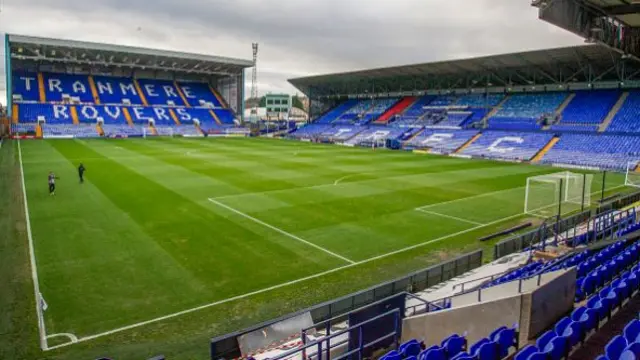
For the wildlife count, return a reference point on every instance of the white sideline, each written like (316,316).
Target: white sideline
(294,237)
(448,216)
(32,258)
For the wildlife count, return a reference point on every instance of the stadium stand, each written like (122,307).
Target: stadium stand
(508,145)
(587,110)
(524,111)
(626,120)
(601,151)
(60,97)
(440,141)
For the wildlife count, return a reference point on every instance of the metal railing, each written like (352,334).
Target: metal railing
(226,346)
(323,346)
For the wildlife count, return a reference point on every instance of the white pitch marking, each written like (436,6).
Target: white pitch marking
(32,258)
(294,237)
(469,197)
(274,287)
(143,323)
(345,178)
(72,337)
(448,216)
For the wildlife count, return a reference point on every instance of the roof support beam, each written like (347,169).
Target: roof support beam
(622,9)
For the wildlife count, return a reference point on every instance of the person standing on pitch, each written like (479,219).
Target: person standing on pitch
(81,170)
(52,183)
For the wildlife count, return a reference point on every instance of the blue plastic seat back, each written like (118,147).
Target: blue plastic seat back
(589,320)
(561,326)
(392,355)
(545,338)
(505,339)
(464,356)
(454,345)
(615,347)
(473,350)
(488,351)
(631,330)
(525,352)
(573,333)
(628,355)
(556,348)
(634,347)
(410,348)
(494,334)
(577,313)
(537,356)
(433,353)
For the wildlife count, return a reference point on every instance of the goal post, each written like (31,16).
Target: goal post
(558,193)
(632,175)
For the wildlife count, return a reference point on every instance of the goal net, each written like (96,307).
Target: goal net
(564,191)
(632,177)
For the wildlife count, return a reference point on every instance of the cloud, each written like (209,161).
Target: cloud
(297,37)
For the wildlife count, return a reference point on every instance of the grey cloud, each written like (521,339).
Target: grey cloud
(299,37)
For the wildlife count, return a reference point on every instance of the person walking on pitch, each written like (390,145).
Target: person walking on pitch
(81,171)
(52,183)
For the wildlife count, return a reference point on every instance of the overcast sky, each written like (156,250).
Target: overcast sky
(297,37)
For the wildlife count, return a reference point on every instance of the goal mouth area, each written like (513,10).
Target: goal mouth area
(557,193)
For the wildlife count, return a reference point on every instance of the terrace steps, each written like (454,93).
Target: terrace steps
(74,115)
(565,103)
(127,116)
(174,116)
(218,96)
(614,110)
(139,90)
(15,113)
(41,90)
(398,108)
(469,142)
(215,117)
(94,90)
(413,136)
(181,94)
(545,149)
(495,109)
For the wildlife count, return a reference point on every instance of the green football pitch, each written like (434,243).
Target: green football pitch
(172,241)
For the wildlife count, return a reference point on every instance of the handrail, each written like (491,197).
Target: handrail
(329,321)
(478,279)
(341,332)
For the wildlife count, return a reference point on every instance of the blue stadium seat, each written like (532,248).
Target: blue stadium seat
(115,90)
(632,330)
(615,347)
(433,353)
(508,145)
(410,348)
(526,352)
(453,345)
(25,84)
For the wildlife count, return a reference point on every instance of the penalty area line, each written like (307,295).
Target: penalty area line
(448,216)
(290,235)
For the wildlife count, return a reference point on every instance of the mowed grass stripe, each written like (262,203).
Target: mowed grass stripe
(343,217)
(88,250)
(225,258)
